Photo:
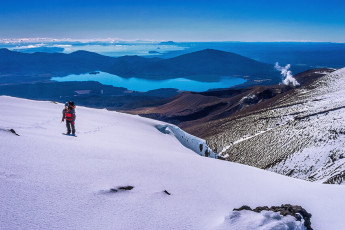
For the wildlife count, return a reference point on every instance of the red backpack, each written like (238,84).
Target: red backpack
(68,115)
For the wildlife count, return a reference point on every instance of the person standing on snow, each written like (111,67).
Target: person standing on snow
(68,114)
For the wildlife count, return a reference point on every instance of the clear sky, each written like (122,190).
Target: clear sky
(213,20)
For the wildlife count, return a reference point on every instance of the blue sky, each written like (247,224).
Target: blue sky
(215,20)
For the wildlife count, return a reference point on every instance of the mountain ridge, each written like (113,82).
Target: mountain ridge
(204,65)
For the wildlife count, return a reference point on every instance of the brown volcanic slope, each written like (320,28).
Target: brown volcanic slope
(252,102)
(193,112)
(190,109)
(293,131)
(299,133)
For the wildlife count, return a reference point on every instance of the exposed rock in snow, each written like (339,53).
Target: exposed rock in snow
(336,179)
(296,211)
(10,130)
(265,220)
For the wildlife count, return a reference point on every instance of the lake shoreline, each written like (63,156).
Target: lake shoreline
(144,85)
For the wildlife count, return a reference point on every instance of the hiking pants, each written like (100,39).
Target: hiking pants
(70,125)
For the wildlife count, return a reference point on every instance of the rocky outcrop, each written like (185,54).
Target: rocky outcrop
(10,130)
(285,209)
(336,179)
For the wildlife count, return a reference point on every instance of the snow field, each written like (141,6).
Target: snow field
(52,181)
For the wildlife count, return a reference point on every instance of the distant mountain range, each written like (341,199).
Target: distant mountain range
(204,65)
(44,65)
(208,65)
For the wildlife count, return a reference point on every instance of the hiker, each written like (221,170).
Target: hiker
(68,114)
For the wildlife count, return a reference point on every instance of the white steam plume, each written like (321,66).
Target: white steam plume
(287,76)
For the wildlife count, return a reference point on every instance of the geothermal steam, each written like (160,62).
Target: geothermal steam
(287,76)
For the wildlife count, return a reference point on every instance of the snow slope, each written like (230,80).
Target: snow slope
(322,127)
(300,133)
(52,181)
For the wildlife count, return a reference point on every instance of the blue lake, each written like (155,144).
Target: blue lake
(144,85)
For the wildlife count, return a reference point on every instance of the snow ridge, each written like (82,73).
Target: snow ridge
(194,143)
(241,140)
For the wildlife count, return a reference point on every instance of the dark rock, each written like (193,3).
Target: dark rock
(259,209)
(244,207)
(14,132)
(166,192)
(200,147)
(126,188)
(290,172)
(336,179)
(207,153)
(121,188)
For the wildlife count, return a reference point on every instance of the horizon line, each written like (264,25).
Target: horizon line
(117,40)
